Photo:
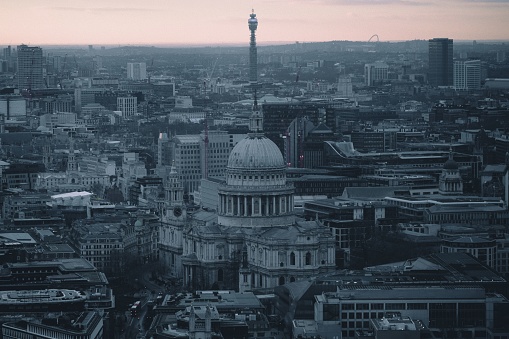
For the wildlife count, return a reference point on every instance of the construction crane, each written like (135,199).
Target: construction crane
(77,66)
(206,142)
(208,79)
(62,72)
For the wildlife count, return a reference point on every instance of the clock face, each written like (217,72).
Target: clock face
(177,211)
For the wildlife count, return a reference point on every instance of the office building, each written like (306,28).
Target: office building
(13,106)
(443,291)
(467,75)
(440,71)
(136,70)
(128,106)
(375,73)
(29,68)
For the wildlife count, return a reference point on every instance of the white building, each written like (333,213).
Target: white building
(81,199)
(187,160)
(467,75)
(374,72)
(72,179)
(214,154)
(13,106)
(128,106)
(345,87)
(136,70)
(132,169)
(51,120)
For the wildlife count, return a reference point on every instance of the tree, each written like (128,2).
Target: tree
(114,195)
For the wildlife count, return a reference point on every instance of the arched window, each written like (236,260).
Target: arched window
(292,258)
(292,279)
(220,274)
(281,280)
(308,258)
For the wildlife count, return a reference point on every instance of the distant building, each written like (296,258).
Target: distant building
(136,70)
(164,89)
(497,83)
(375,72)
(467,75)
(128,106)
(13,106)
(187,160)
(440,62)
(29,73)
(345,87)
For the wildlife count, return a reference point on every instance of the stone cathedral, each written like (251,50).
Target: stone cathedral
(253,239)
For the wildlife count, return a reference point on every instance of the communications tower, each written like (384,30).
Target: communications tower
(253,59)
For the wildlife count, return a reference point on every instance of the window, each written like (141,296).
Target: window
(308,258)
(292,258)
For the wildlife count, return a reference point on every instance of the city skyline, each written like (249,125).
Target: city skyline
(195,22)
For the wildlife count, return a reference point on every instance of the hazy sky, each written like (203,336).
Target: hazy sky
(40,22)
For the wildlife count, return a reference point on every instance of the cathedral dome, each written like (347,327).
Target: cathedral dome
(256,152)
(450,164)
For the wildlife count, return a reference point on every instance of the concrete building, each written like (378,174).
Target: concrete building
(467,75)
(444,292)
(13,106)
(128,106)
(52,120)
(375,72)
(187,160)
(132,169)
(215,148)
(29,73)
(136,70)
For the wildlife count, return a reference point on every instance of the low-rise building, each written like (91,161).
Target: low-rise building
(88,325)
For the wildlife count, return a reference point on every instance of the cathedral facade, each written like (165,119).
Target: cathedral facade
(253,239)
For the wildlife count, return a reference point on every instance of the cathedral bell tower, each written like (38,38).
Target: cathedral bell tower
(244,272)
(174,196)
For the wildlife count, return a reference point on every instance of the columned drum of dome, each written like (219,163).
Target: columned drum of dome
(256,193)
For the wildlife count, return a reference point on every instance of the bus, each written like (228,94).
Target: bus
(136,309)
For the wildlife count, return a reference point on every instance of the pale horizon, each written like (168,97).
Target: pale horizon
(202,23)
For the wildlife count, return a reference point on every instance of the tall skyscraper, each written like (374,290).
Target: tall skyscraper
(29,67)
(440,62)
(137,70)
(467,75)
(253,57)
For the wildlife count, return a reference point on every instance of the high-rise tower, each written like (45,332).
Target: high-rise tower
(253,58)
(29,68)
(440,62)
